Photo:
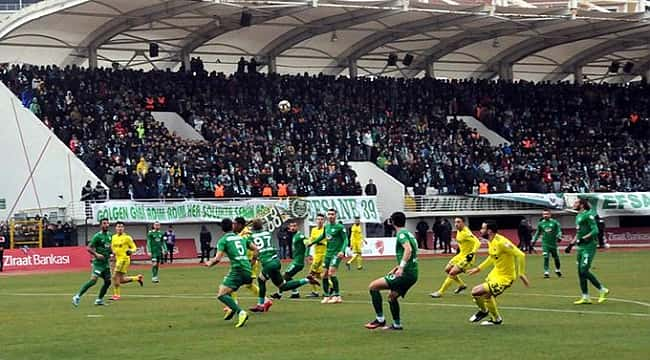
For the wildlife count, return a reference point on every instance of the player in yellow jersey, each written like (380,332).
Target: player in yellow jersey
(468,245)
(123,247)
(316,269)
(240,228)
(509,263)
(356,244)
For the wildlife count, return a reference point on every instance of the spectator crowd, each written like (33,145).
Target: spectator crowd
(563,137)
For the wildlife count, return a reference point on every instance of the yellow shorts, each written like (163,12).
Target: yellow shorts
(496,285)
(356,247)
(462,263)
(317,264)
(122,265)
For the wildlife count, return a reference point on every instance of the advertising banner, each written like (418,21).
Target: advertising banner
(59,258)
(379,247)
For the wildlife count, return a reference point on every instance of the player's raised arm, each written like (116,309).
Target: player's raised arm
(318,240)
(215,260)
(487,262)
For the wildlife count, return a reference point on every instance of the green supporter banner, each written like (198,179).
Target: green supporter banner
(554,201)
(175,212)
(347,207)
(615,204)
(272,211)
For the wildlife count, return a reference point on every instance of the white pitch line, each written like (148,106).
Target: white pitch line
(574,296)
(95,316)
(517,308)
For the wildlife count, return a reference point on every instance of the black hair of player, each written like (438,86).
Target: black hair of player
(103,219)
(119,223)
(226,225)
(240,220)
(398,219)
(492,225)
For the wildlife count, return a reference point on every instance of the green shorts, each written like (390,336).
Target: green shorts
(293,269)
(101,270)
(549,250)
(586,256)
(271,270)
(236,278)
(156,257)
(331,261)
(402,284)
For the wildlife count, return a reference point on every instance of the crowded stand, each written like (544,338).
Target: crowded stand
(563,138)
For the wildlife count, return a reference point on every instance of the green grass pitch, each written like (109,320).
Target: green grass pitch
(180,319)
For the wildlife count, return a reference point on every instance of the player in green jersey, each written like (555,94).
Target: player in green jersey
(551,232)
(156,247)
(587,241)
(233,246)
(271,267)
(100,249)
(299,250)
(337,241)
(400,279)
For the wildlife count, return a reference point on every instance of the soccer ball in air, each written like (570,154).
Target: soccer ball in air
(284,106)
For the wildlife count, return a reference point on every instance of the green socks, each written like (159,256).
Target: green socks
(262,285)
(104,289)
(375,295)
(293,284)
(86,286)
(229,302)
(335,285)
(394,311)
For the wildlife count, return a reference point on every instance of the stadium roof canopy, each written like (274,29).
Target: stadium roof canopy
(512,39)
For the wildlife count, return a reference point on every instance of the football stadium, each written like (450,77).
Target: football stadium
(318,179)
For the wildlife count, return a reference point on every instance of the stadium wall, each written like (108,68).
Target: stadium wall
(175,123)
(390,192)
